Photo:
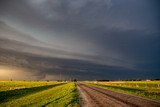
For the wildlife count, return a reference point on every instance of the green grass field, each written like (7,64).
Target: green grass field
(11,85)
(65,94)
(148,89)
(38,94)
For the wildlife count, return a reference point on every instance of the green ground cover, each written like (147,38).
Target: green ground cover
(17,93)
(148,89)
(65,95)
(11,85)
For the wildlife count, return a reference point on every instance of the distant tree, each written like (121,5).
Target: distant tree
(156,79)
(75,80)
(102,80)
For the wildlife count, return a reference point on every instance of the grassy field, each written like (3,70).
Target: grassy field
(38,94)
(148,89)
(11,85)
(65,94)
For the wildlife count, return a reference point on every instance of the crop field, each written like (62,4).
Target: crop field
(38,94)
(11,85)
(66,94)
(148,89)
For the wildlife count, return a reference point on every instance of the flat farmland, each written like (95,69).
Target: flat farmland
(12,85)
(38,94)
(79,94)
(94,95)
(147,89)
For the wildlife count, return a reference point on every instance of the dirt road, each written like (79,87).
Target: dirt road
(98,97)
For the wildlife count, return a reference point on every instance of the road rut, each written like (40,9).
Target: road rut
(98,97)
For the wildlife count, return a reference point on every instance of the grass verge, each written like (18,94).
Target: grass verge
(61,96)
(144,92)
(9,95)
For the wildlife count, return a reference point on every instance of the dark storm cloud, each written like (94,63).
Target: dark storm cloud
(69,68)
(15,40)
(122,34)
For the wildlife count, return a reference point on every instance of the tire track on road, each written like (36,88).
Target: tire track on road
(98,97)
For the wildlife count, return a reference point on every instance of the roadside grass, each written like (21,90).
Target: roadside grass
(139,84)
(60,96)
(145,89)
(17,93)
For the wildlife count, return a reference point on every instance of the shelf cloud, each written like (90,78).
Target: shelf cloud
(87,40)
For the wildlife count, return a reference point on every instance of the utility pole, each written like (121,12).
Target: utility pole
(60,77)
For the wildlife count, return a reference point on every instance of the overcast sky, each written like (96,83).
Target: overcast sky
(83,39)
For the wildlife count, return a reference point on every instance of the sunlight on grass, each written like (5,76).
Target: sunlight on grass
(65,95)
(148,89)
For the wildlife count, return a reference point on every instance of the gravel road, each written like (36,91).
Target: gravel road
(98,97)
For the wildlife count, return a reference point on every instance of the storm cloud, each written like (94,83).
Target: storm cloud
(84,39)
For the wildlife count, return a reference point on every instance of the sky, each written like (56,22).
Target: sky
(81,39)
